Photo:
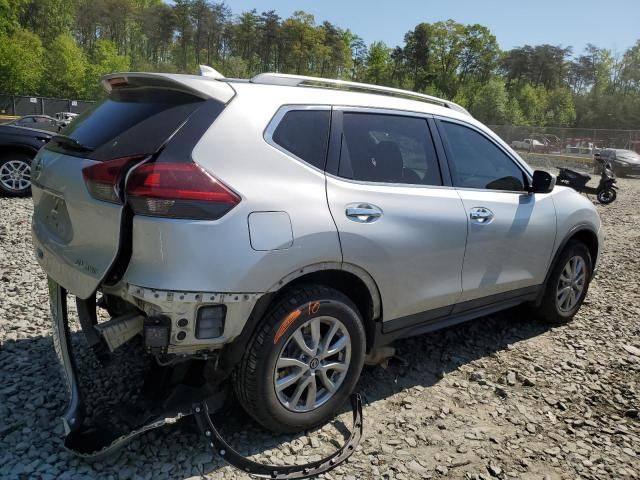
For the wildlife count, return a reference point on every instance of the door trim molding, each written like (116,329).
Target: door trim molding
(438,318)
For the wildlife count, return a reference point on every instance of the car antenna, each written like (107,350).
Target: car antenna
(207,71)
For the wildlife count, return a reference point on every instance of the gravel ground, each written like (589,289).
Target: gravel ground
(503,397)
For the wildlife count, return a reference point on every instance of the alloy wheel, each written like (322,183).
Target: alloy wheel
(571,284)
(313,364)
(15,175)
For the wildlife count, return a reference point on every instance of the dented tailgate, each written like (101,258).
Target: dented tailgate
(75,237)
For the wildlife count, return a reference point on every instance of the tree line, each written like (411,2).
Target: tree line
(61,48)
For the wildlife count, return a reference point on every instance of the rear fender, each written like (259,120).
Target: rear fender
(359,272)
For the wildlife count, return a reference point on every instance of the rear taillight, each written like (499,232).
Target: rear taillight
(178,190)
(102,178)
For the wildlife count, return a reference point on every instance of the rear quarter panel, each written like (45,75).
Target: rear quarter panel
(217,256)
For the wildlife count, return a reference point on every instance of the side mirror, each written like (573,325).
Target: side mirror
(543,182)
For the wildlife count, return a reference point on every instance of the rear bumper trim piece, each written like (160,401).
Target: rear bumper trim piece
(280,472)
(73,417)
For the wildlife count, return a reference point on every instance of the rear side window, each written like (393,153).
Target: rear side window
(305,133)
(388,149)
(129,122)
(478,163)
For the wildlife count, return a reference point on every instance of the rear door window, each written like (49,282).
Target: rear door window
(388,149)
(305,133)
(129,122)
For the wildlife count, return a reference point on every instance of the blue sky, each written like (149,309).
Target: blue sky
(613,24)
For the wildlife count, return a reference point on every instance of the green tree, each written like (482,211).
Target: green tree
(269,28)
(417,53)
(513,112)
(66,67)
(489,104)
(378,63)
(630,70)
(246,38)
(184,30)
(358,54)
(302,42)
(560,108)
(336,54)
(447,45)
(104,59)
(235,67)
(158,24)
(48,18)
(535,85)
(533,103)
(21,63)
(479,56)
(10,14)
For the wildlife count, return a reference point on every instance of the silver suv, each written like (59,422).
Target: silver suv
(285,227)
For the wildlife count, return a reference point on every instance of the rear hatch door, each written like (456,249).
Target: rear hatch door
(77,232)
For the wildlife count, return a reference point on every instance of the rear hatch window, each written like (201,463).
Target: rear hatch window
(129,122)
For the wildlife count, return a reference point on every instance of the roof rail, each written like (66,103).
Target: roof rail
(303,81)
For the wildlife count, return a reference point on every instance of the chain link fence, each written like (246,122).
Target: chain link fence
(569,141)
(565,147)
(17,106)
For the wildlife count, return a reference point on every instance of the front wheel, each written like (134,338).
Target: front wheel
(606,196)
(15,174)
(567,285)
(304,360)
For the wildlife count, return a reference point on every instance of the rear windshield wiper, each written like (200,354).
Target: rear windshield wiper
(71,143)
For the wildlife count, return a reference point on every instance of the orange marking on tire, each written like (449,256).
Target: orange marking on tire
(314,307)
(286,324)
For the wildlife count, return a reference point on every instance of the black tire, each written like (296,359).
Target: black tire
(7,162)
(254,378)
(549,309)
(607,196)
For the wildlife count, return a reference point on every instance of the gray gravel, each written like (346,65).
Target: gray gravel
(504,397)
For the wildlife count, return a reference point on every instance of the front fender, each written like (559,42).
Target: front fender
(573,212)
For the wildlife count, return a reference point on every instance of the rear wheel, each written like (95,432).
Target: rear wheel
(568,284)
(15,174)
(304,360)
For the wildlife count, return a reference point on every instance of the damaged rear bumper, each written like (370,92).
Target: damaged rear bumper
(95,443)
(90,442)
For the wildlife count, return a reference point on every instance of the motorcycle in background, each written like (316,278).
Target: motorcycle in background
(605,192)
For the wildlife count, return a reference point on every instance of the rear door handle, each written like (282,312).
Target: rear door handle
(481,215)
(363,212)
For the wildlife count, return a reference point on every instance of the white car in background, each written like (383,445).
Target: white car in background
(527,144)
(65,118)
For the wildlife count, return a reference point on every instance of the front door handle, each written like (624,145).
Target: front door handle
(363,212)
(481,215)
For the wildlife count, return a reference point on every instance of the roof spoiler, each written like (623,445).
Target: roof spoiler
(200,86)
